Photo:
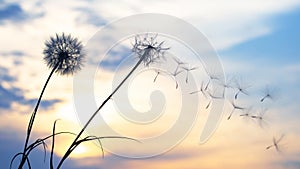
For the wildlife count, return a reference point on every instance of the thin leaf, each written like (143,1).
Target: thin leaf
(52,147)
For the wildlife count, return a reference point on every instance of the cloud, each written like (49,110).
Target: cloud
(226,23)
(15,13)
(15,95)
(88,16)
(14,53)
(12,12)
(114,57)
(10,94)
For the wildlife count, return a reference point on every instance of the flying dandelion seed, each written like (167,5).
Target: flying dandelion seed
(213,75)
(179,63)
(64,53)
(276,142)
(158,72)
(208,104)
(188,69)
(235,107)
(228,84)
(202,90)
(207,85)
(242,87)
(261,117)
(212,96)
(269,93)
(247,114)
(174,75)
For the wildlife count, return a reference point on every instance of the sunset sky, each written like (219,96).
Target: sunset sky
(257,42)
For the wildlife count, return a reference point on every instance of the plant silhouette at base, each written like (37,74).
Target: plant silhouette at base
(64,55)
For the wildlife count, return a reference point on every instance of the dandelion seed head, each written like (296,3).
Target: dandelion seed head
(154,49)
(65,53)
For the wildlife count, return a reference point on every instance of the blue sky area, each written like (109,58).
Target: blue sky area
(274,48)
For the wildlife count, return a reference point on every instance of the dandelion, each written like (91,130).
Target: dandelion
(148,51)
(64,55)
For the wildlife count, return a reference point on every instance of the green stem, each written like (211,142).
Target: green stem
(69,151)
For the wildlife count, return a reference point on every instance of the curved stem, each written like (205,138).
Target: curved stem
(71,148)
(31,121)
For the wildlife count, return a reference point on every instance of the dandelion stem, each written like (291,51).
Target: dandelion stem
(74,143)
(30,124)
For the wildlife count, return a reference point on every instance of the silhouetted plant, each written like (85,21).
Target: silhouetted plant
(148,51)
(64,55)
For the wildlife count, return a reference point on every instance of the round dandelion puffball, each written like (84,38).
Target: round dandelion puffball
(64,53)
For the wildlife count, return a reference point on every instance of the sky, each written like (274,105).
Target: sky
(256,43)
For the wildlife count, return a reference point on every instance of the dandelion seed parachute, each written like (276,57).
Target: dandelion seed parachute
(65,53)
